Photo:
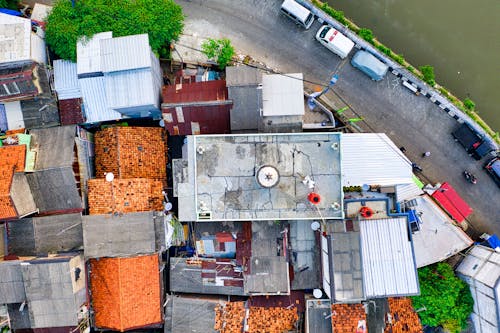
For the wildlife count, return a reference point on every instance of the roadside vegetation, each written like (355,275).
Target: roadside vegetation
(367,35)
(218,50)
(11,4)
(444,299)
(162,20)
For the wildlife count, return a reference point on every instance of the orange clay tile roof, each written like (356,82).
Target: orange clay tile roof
(12,159)
(403,317)
(124,195)
(229,318)
(126,292)
(345,317)
(131,152)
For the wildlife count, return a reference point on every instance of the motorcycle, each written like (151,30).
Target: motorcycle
(470,177)
(416,167)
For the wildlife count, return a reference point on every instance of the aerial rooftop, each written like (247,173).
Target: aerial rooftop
(261,177)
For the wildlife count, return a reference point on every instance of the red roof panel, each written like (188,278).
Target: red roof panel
(449,199)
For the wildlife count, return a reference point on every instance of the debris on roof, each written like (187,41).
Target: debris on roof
(126,292)
(348,318)
(403,317)
(131,152)
(124,195)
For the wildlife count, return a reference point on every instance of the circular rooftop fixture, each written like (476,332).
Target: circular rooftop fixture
(268,176)
(315,226)
(109,177)
(314,198)
(317,293)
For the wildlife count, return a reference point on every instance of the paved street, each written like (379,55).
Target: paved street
(256,28)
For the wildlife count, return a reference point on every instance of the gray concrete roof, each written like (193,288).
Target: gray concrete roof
(43,235)
(54,146)
(224,176)
(317,314)
(237,76)
(247,105)
(11,283)
(118,236)
(305,256)
(190,315)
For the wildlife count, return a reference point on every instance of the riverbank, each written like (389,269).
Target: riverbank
(385,52)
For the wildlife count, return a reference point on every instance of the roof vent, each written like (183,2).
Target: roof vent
(268,176)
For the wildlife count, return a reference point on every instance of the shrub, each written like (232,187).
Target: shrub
(469,104)
(219,50)
(384,49)
(399,58)
(336,14)
(366,34)
(428,74)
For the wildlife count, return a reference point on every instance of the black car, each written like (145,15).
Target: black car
(493,168)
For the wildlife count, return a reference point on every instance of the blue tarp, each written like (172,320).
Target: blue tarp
(493,241)
(10,12)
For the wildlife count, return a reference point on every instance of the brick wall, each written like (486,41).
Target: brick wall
(124,195)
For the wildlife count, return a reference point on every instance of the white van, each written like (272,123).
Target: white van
(334,41)
(301,15)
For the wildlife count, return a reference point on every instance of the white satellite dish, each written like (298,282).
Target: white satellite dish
(162,123)
(110,176)
(315,226)
(167,206)
(317,293)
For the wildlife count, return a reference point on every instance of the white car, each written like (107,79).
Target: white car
(333,40)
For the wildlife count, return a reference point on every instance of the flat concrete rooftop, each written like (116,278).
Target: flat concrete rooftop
(227,184)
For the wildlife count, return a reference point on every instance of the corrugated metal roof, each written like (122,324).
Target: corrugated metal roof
(387,257)
(451,201)
(15,38)
(407,192)
(94,100)
(283,95)
(66,80)
(195,92)
(130,88)
(88,53)
(242,76)
(373,159)
(125,53)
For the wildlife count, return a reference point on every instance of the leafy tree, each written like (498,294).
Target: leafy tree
(162,20)
(445,298)
(219,50)
(469,104)
(11,4)
(428,73)
(366,34)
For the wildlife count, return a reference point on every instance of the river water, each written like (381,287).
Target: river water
(459,38)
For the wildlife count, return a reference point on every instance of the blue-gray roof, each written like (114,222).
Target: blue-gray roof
(66,80)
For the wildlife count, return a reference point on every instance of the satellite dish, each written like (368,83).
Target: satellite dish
(315,226)
(168,206)
(110,176)
(162,123)
(317,293)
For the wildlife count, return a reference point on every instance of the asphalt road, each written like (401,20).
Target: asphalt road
(257,28)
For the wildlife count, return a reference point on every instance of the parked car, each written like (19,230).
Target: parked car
(473,142)
(493,168)
(334,41)
(370,65)
(298,13)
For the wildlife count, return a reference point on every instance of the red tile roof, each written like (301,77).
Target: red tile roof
(195,92)
(347,317)
(12,159)
(70,111)
(131,152)
(126,292)
(403,318)
(124,195)
(229,318)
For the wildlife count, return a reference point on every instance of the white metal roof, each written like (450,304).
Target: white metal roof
(15,38)
(88,53)
(130,88)
(407,191)
(438,238)
(125,53)
(388,263)
(482,264)
(283,95)
(94,100)
(66,80)
(373,159)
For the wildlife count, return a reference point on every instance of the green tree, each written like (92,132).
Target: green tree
(445,299)
(11,4)
(162,20)
(219,50)
(428,73)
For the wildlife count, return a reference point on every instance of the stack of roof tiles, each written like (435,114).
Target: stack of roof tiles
(13,160)
(131,152)
(346,317)
(229,318)
(126,292)
(124,195)
(404,319)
